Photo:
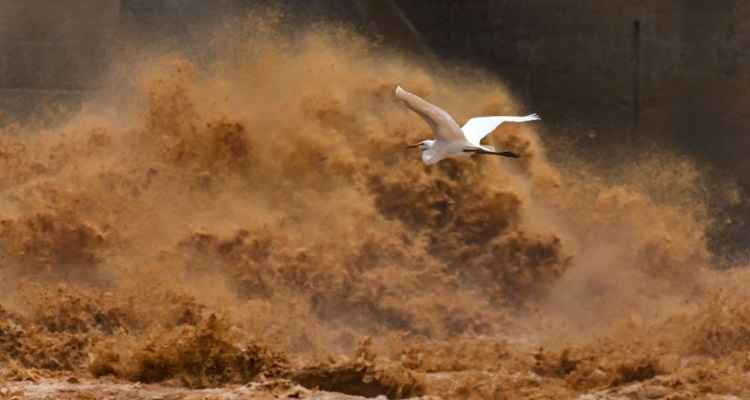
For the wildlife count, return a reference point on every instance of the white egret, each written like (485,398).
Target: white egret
(450,139)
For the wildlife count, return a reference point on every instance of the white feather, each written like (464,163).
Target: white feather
(443,125)
(478,128)
(450,139)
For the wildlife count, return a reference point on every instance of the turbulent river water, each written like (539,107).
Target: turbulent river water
(255,216)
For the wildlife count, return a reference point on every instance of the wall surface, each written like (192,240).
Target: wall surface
(622,70)
(618,75)
(613,74)
(619,71)
(52,49)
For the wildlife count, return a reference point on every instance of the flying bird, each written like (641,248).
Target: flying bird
(450,139)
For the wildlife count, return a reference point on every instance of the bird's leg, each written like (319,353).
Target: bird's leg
(495,153)
(505,154)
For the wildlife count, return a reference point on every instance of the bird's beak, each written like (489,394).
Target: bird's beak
(411,146)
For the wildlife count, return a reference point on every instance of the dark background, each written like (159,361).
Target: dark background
(616,75)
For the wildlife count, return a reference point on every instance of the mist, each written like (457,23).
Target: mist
(243,208)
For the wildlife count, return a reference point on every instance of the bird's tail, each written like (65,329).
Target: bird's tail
(533,117)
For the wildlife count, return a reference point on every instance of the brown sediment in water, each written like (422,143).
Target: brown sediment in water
(254,218)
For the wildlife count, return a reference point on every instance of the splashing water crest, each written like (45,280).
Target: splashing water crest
(269,188)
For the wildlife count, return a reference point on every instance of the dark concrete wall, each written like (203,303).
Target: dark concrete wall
(615,74)
(52,49)
(578,62)
(618,75)
(54,44)
(671,71)
(617,71)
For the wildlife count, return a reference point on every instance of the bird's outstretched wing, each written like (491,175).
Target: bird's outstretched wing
(443,125)
(476,129)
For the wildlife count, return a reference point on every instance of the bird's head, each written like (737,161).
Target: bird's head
(423,145)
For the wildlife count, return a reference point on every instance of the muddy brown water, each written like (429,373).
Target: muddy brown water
(256,219)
